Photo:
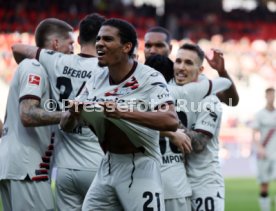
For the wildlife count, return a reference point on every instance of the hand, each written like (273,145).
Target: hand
(217,62)
(112,110)
(75,107)
(261,152)
(182,141)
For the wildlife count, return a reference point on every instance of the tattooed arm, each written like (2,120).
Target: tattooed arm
(198,139)
(32,115)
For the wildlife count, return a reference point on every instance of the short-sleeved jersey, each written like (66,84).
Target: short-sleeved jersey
(22,148)
(203,169)
(142,85)
(265,122)
(68,75)
(186,98)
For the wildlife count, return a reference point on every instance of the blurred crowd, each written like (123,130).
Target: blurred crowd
(184,19)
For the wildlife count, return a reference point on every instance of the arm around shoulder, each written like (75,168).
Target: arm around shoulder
(21,51)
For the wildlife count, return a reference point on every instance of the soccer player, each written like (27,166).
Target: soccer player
(158,41)
(77,154)
(24,152)
(264,138)
(203,168)
(177,192)
(129,174)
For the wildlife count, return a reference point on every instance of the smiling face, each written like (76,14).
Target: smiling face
(109,48)
(187,66)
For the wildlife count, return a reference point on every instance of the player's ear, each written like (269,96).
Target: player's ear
(127,47)
(201,69)
(55,44)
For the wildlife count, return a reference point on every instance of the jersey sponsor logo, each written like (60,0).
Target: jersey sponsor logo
(96,99)
(34,79)
(127,88)
(76,73)
(160,84)
(168,159)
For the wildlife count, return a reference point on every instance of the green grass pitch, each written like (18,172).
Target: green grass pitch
(241,194)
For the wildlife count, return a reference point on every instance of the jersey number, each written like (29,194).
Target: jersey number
(149,196)
(67,88)
(183,118)
(209,204)
(163,146)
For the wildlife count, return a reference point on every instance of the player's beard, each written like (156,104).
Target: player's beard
(101,64)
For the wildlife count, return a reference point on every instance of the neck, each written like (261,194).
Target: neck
(119,71)
(89,50)
(270,107)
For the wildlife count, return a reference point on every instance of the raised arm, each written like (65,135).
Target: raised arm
(22,51)
(230,96)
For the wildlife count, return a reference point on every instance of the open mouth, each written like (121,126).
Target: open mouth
(181,76)
(100,53)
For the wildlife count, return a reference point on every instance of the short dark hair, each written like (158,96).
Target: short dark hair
(89,28)
(269,89)
(161,29)
(195,48)
(162,64)
(127,32)
(48,27)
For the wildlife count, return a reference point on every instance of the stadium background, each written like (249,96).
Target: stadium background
(244,30)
